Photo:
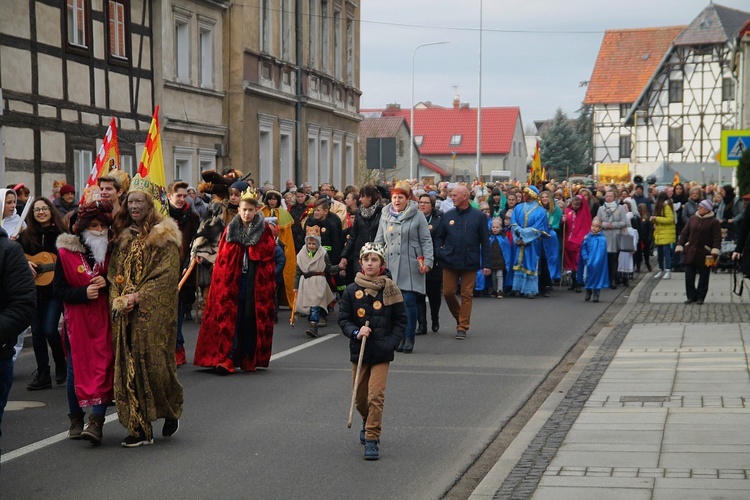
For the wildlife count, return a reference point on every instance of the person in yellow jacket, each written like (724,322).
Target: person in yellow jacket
(272,208)
(665,234)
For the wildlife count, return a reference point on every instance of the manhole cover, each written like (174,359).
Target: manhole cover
(644,399)
(23,405)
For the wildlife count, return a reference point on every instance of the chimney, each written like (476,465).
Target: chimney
(456,97)
(393,105)
(464,105)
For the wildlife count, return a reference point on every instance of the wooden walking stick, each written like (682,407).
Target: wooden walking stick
(187,274)
(356,378)
(294,309)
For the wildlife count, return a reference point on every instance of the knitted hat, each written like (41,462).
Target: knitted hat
(67,188)
(707,205)
(371,247)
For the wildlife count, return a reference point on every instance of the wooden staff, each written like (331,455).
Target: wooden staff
(356,378)
(294,309)
(187,274)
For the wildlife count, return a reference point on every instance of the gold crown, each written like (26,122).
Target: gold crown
(249,194)
(143,185)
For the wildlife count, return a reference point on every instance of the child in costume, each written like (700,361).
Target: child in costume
(498,244)
(310,280)
(372,307)
(594,260)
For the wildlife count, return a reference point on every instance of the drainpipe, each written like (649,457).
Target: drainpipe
(298,100)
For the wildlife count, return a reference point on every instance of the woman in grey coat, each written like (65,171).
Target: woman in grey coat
(614,219)
(409,253)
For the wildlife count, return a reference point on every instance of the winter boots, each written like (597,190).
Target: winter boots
(93,430)
(42,380)
(312,330)
(371,450)
(76,424)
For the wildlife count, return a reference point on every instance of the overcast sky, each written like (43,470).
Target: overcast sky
(539,68)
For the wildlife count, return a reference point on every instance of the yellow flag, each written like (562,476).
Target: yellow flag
(152,164)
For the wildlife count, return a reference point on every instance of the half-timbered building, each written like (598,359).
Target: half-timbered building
(662,96)
(66,67)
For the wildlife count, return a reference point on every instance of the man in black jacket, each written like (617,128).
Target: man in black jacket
(17,306)
(463,246)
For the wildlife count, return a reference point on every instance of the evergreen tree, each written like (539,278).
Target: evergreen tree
(561,148)
(585,133)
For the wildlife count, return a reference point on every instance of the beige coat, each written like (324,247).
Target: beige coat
(313,291)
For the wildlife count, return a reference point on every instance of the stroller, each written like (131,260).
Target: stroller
(725,257)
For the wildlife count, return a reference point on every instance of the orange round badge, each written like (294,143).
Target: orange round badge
(81,269)
(359,294)
(361,312)
(377,305)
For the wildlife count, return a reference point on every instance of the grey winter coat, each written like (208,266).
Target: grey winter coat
(406,238)
(619,219)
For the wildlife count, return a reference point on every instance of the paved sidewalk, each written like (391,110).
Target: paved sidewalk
(657,408)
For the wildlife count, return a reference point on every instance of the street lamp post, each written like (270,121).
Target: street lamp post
(411,119)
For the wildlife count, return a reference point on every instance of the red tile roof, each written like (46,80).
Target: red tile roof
(627,59)
(434,167)
(437,125)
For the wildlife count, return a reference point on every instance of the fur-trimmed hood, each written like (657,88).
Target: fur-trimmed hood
(71,243)
(248,236)
(162,233)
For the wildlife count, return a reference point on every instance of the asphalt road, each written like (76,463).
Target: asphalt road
(281,433)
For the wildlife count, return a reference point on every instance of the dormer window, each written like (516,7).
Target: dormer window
(455,140)
(418,140)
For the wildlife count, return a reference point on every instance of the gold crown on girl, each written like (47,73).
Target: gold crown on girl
(250,194)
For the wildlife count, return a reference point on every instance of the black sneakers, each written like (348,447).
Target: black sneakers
(170,427)
(133,441)
(371,450)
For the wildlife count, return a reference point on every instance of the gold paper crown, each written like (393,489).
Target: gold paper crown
(142,184)
(250,194)
(91,193)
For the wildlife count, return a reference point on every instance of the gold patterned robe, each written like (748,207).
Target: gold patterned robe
(146,386)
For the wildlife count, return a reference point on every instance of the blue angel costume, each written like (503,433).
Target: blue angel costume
(594,259)
(529,225)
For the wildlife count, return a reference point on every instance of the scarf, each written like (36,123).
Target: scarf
(397,215)
(391,293)
(368,212)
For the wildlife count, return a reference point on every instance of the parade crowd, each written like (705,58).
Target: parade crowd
(124,275)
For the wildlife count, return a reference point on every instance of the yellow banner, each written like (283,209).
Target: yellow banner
(614,172)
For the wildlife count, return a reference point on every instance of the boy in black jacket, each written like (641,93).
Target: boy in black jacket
(375,299)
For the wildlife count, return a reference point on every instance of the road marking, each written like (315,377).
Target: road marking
(111,418)
(44,443)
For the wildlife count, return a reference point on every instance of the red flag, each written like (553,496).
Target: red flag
(108,157)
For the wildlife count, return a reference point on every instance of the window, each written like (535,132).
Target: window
(82,161)
(324,164)
(325,39)
(117,26)
(206,56)
(337,54)
(126,165)
(183,163)
(350,161)
(727,90)
(207,159)
(77,20)
(401,149)
(675,90)
(674,141)
(625,146)
(286,149)
(312,158)
(312,16)
(455,140)
(337,170)
(182,49)
(624,108)
(265,26)
(418,140)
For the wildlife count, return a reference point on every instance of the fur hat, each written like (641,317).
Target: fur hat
(371,247)
(98,209)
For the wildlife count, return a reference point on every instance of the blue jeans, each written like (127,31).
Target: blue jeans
(70,388)
(664,256)
(44,330)
(180,338)
(410,303)
(317,312)
(6,381)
